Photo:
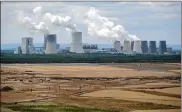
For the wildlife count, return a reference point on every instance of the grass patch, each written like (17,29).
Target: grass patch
(51,108)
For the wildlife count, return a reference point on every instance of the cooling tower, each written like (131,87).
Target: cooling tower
(144,46)
(132,45)
(51,44)
(137,46)
(152,47)
(127,47)
(117,46)
(162,47)
(76,44)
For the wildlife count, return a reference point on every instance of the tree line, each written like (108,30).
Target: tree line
(88,58)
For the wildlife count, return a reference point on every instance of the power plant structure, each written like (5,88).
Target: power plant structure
(144,46)
(27,45)
(117,46)
(76,43)
(137,46)
(51,44)
(162,47)
(45,41)
(127,47)
(152,47)
(18,50)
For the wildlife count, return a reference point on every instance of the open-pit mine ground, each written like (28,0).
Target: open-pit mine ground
(125,87)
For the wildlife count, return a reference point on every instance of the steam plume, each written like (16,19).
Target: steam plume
(101,27)
(59,21)
(31,25)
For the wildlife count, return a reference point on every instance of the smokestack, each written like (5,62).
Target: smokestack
(152,47)
(144,46)
(127,47)
(137,46)
(117,46)
(51,44)
(162,47)
(76,44)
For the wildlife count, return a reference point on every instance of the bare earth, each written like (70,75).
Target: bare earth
(130,87)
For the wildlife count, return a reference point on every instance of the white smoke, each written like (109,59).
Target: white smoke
(37,10)
(101,27)
(31,25)
(60,21)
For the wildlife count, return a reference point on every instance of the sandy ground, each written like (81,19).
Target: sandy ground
(175,90)
(135,96)
(108,94)
(164,110)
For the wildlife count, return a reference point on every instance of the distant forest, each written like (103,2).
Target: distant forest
(89,58)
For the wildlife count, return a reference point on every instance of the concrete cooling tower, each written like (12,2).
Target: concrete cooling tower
(162,47)
(117,46)
(137,46)
(152,47)
(51,44)
(76,44)
(127,47)
(144,46)
(132,45)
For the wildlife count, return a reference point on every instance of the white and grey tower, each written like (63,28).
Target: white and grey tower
(51,44)
(117,46)
(127,47)
(76,43)
(27,45)
(137,46)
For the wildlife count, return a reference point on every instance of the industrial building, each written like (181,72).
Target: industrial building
(18,50)
(152,47)
(117,46)
(162,47)
(90,48)
(76,43)
(132,45)
(137,46)
(144,46)
(127,47)
(27,45)
(51,44)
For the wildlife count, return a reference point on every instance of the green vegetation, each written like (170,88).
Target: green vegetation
(6,88)
(51,108)
(88,58)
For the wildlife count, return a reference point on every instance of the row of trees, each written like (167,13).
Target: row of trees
(88,58)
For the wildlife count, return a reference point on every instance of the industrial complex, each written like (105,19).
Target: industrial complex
(76,46)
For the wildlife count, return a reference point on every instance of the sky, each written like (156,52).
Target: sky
(147,20)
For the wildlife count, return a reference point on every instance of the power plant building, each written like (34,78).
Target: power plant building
(162,47)
(137,46)
(132,45)
(152,47)
(76,44)
(18,50)
(117,46)
(127,47)
(51,44)
(144,46)
(27,45)
(45,41)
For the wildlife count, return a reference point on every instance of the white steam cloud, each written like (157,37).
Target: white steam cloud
(59,21)
(31,25)
(42,21)
(101,27)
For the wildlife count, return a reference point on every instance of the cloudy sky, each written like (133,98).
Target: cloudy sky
(147,20)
